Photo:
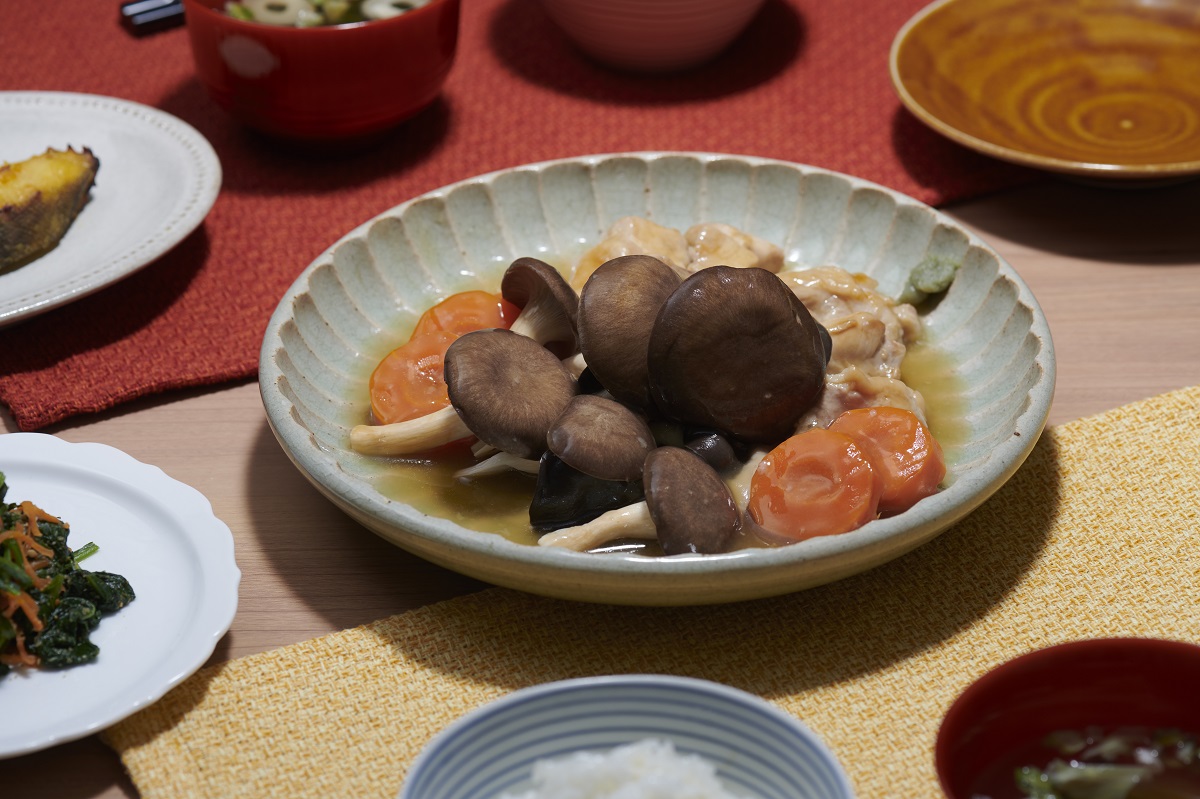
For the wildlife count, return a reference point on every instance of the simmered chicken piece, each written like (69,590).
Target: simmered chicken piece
(633,235)
(853,388)
(870,333)
(714,243)
(703,245)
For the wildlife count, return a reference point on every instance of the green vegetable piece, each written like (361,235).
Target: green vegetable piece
(335,10)
(15,573)
(1067,742)
(932,276)
(53,590)
(8,631)
(54,536)
(1033,783)
(85,552)
(65,640)
(108,592)
(239,11)
(1094,780)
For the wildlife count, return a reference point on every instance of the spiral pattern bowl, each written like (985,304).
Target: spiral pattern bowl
(354,303)
(1093,88)
(757,749)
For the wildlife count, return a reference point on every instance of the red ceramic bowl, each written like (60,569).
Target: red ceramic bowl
(323,83)
(994,725)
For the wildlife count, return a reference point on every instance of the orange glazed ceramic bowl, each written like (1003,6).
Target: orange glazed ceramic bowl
(323,83)
(1093,88)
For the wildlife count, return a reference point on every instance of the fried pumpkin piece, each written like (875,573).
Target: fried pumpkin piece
(39,199)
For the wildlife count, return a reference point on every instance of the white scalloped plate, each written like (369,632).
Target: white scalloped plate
(158,179)
(159,534)
(342,313)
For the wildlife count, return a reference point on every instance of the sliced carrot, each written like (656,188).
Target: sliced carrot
(465,312)
(814,483)
(905,454)
(409,382)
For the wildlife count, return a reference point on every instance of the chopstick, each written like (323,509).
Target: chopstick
(141,17)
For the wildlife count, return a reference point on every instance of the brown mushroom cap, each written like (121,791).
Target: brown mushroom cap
(507,388)
(692,508)
(736,350)
(617,309)
(601,438)
(549,306)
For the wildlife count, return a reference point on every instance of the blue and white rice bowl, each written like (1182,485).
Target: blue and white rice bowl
(757,749)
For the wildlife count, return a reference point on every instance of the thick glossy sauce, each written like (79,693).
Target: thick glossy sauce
(931,372)
(498,504)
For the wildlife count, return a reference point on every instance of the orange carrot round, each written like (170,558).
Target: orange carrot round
(905,455)
(814,483)
(467,311)
(410,382)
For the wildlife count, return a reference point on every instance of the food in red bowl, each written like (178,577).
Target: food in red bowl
(1117,718)
(323,83)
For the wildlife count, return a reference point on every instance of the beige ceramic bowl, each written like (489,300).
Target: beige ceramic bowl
(359,299)
(652,35)
(1094,88)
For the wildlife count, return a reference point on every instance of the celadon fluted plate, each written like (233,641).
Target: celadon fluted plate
(346,310)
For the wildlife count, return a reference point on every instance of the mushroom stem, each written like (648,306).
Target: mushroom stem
(415,435)
(548,304)
(632,521)
(482,450)
(575,364)
(498,464)
(539,322)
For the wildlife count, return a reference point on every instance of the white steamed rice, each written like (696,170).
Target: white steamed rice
(647,769)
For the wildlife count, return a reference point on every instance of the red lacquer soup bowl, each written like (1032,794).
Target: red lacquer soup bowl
(323,83)
(997,724)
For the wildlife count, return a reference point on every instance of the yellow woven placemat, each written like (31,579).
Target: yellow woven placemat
(1095,536)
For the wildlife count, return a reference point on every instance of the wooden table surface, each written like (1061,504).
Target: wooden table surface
(1117,272)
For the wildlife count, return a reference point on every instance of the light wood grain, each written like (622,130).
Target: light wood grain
(1117,273)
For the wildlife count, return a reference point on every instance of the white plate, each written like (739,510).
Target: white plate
(158,179)
(159,534)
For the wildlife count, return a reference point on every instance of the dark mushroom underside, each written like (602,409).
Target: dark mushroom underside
(538,289)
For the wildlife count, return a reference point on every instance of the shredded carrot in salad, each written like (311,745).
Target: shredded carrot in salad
(33,557)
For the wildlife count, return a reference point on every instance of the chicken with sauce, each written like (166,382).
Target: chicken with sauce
(702,245)
(871,334)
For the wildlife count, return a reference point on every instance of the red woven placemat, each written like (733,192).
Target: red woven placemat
(808,82)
